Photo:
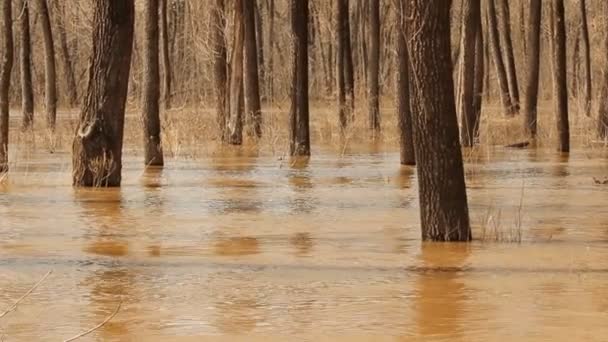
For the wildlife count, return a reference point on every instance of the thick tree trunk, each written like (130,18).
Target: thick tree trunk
(235,121)
(27,92)
(505,30)
(251,72)
(50,75)
(602,115)
(533,64)
(218,25)
(153,151)
(64,56)
(298,114)
(470,24)
(501,73)
(167,71)
(344,62)
(374,66)
(97,147)
(442,192)
(586,58)
(404,114)
(6,66)
(560,83)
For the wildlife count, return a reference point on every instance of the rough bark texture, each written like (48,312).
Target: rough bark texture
(6,66)
(533,65)
(235,121)
(50,75)
(251,72)
(27,92)
(442,193)
(64,55)
(505,31)
(97,147)
(153,151)
(602,115)
(218,23)
(298,114)
(167,71)
(560,83)
(403,91)
(374,66)
(586,58)
(501,73)
(470,24)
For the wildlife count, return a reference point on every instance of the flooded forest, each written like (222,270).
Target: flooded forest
(303,170)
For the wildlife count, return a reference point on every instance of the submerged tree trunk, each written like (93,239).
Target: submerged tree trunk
(533,64)
(235,121)
(586,59)
(50,77)
(153,151)
(404,114)
(6,66)
(470,24)
(97,147)
(167,71)
(251,72)
(27,92)
(494,42)
(374,66)
(298,114)
(64,55)
(442,192)
(560,83)
(218,25)
(505,30)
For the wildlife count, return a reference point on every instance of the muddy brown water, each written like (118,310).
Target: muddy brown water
(239,246)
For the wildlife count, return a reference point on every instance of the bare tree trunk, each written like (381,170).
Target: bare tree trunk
(602,115)
(479,80)
(27,92)
(167,71)
(533,63)
(501,73)
(218,24)
(298,114)
(50,79)
(64,56)
(251,73)
(470,24)
(441,185)
(406,141)
(6,66)
(97,147)
(235,121)
(560,83)
(153,150)
(586,59)
(344,62)
(259,32)
(374,67)
(505,30)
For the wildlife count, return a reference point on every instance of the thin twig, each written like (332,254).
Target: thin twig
(97,326)
(14,306)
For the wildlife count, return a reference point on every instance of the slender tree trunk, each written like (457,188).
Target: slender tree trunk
(259,32)
(27,92)
(50,77)
(501,73)
(235,121)
(505,30)
(470,24)
(6,66)
(270,71)
(97,148)
(575,65)
(64,56)
(374,66)
(406,142)
(153,151)
(298,114)
(218,23)
(560,83)
(346,83)
(479,81)
(586,58)
(533,64)
(602,115)
(251,72)
(442,192)
(167,71)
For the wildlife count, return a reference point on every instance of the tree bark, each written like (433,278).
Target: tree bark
(153,151)
(501,73)
(27,92)
(218,22)
(586,58)
(344,62)
(50,76)
(259,32)
(602,115)
(235,121)
(298,114)
(64,56)
(6,66)
(374,66)
(470,25)
(479,80)
(270,70)
(97,147)
(533,63)
(251,70)
(167,71)
(442,192)
(505,30)
(406,142)
(560,83)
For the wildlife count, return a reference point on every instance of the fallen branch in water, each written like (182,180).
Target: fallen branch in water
(97,326)
(14,306)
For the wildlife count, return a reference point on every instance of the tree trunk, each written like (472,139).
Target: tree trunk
(259,32)
(64,56)
(153,151)
(586,59)
(298,114)
(479,80)
(442,192)
(6,66)
(27,92)
(50,77)
(374,66)
(533,63)
(235,121)
(602,115)
(505,30)
(470,25)
(270,70)
(501,73)
(167,71)
(404,114)
(560,83)
(251,73)
(344,62)
(97,148)
(218,25)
